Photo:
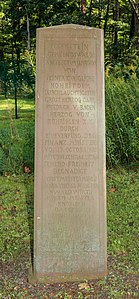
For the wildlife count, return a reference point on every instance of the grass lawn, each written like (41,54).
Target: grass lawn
(25,108)
(16,135)
(16,227)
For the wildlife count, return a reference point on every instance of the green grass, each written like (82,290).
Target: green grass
(122,126)
(16,136)
(26,108)
(123,216)
(14,215)
(16,225)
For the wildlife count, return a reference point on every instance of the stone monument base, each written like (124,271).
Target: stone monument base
(61,278)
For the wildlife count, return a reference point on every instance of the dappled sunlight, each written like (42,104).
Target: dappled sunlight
(26,108)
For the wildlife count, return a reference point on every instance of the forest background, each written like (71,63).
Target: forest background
(19,20)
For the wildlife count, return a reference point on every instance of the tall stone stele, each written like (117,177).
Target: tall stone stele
(70,208)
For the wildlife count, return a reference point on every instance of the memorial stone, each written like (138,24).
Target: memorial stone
(70,195)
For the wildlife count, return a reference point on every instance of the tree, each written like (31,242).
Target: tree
(135,22)
(82,8)
(20,18)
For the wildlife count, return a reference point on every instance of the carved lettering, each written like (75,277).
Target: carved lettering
(69,169)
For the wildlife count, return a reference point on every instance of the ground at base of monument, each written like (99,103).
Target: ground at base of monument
(59,278)
(16,211)
(17,285)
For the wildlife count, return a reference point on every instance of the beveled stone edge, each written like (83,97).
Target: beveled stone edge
(70,26)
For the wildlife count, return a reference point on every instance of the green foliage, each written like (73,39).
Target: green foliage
(122,127)
(119,19)
(16,136)
(23,80)
(17,150)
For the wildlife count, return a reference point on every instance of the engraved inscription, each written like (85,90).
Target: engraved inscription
(70,102)
(69,152)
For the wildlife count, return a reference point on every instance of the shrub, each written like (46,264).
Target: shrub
(17,148)
(122,129)
(122,126)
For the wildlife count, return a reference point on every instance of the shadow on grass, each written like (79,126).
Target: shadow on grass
(25,108)
(20,98)
(23,114)
(29,189)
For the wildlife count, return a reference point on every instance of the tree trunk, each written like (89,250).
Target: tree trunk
(116,19)
(28,41)
(5,90)
(90,10)
(15,97)
(28,33)
(136,18)
(135,22)
(15,82)
(106,18)
(99,14)
(17,47)
(82,8)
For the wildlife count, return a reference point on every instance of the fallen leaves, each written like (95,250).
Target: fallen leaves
(84,286)
(112,189)
(27,169)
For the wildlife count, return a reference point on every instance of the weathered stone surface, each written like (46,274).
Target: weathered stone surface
(70,215)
